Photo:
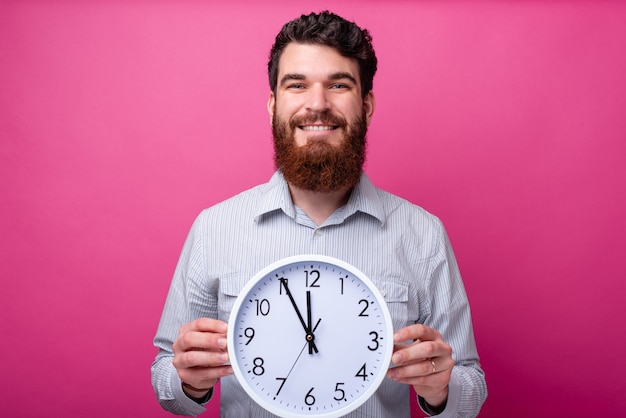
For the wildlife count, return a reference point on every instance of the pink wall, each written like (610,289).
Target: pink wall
(119,121)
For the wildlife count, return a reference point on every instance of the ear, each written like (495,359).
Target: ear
(369,104)
(271,102)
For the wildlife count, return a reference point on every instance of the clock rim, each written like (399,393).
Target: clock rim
(238,373)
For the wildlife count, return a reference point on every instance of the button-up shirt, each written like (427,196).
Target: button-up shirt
(402,248)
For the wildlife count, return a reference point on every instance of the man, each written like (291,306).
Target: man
(321,102)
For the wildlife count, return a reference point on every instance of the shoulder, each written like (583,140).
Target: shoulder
(399,209)
(245,200)
(236,208)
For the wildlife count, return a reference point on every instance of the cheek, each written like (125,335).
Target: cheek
(287,106)
(351,109)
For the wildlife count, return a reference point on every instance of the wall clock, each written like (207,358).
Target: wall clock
(310,336)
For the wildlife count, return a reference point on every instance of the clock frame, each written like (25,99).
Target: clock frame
(310,336)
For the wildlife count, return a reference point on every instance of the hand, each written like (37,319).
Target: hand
(426,363)
(200,354)
(307,327)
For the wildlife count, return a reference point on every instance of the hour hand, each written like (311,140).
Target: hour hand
(310,337)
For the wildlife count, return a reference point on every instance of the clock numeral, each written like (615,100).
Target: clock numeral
(282,281)
(309,399)
(362,373)
(341,394)
(284,379)
(367,305)
(249,333)
(262,307)
(313,276)
(341,288)
(374,335)
(258,368)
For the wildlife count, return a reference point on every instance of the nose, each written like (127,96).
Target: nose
(317,99)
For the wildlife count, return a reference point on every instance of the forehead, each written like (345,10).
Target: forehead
(315,61)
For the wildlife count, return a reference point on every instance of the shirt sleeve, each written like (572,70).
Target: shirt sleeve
(449,313)
(183,304)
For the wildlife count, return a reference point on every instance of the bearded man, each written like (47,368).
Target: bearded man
(319,201)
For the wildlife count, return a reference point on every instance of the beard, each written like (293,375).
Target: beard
(319,166)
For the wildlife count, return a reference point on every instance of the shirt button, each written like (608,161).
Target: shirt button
(318,232)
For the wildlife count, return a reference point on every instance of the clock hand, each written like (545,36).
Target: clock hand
(284,379)
(298,358)
(309,334)
(308,323)
(293,302)
(316,325)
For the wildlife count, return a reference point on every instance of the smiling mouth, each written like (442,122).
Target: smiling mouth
(318,127)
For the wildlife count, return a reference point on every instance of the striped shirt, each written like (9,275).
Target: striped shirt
(402,248)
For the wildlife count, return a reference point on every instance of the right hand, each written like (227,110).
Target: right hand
(200,354)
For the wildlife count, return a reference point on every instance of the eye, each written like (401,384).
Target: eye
(295,86)
(339,86)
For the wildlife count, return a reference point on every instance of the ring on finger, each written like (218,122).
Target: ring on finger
(434,367)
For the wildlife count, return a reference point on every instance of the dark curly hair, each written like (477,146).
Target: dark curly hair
(326,28)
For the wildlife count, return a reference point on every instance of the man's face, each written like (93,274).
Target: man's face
(319,118)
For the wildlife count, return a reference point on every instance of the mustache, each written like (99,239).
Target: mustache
(325,117)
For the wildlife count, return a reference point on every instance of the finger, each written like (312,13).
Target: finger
(424,367)
(199,359)
(416,352)
(431,383)
(204,377)
(205,325)
(428,372)
(194,340)
(423,350)
(416,332)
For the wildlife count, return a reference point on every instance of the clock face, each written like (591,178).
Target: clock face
(310,336)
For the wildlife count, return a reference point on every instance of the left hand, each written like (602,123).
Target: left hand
(426,363)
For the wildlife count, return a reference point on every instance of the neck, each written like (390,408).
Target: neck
(319,206)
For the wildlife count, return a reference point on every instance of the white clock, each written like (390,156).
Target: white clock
(310,336)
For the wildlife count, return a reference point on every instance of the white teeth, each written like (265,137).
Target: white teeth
(317,128)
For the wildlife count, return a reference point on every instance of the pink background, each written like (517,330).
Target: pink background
(120,121)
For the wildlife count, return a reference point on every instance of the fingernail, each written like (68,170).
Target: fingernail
(221,342)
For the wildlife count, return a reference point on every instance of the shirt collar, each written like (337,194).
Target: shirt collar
(364,198)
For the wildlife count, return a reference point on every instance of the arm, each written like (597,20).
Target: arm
(184,378)
(186,342)
(440,359)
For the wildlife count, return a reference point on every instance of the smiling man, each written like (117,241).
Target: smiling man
(319,116)
(320,201)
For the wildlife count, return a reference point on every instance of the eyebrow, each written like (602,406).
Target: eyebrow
(334,77)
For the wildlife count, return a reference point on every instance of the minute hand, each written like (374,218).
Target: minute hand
(307,329)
